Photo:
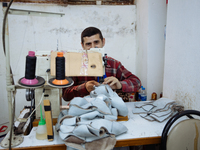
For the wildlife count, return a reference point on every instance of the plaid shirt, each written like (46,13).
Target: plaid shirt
(130,83)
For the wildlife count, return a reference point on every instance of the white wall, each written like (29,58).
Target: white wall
(182,53)
(42,33)
(151,20)
(142,40)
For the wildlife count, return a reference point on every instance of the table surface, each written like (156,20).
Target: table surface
(140,132)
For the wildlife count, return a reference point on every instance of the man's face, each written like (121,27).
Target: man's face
(93,41)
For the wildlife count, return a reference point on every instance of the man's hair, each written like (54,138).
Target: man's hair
(90,31)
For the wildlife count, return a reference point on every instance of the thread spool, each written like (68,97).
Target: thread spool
(30,78)
(60,70)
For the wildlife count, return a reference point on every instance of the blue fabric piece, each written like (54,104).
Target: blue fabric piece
(95,119)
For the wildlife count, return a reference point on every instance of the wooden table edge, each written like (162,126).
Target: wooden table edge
(119,143)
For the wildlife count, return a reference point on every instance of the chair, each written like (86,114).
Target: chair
(184,135)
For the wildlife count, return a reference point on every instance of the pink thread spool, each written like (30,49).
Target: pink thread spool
(29,78)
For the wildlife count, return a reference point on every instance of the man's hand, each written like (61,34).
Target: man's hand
(90,85)
(113,83)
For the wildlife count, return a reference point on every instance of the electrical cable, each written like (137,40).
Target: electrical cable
(12,81)
(25,119)
(3,33)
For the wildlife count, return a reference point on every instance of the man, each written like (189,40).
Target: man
(118,77)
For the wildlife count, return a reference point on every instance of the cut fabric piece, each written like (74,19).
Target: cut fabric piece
(97,124)
(142,103)
(158,110)
(91,123)
(106,143)
(101,106)
(91,115)
(162,103)
(114,111)
(82,131)
(119,104)
(67,129)
(79,101)
(75,110)
(101,89)
(148,107)
(110,117)
(70,121)
(163,113)
(147,117)
(138,111)
(74,146)
(103,144)
(162,118)
(74,139)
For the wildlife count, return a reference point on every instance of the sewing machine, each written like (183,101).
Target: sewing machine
(43,64)
(45,67)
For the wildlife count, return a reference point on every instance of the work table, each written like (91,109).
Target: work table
(140,132)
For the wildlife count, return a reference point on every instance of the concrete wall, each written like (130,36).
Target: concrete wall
(42,33)
(181,74)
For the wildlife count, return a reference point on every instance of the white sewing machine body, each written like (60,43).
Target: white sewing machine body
(42,65)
